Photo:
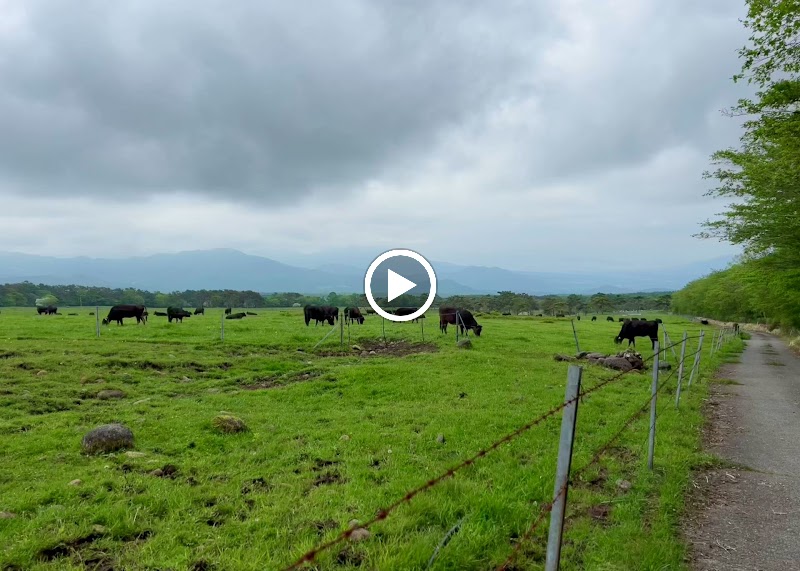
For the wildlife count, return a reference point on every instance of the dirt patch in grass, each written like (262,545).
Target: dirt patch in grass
(80,545)
(398,348)
(600,512)
(8,354)
(278,381)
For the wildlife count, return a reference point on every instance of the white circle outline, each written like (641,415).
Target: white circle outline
(393,254)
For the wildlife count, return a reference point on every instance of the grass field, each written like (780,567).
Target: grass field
(331,438)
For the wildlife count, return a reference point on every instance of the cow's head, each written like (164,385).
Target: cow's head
(617,339)
(105,321)
(477,329)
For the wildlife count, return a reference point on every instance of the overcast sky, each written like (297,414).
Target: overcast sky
(558,134)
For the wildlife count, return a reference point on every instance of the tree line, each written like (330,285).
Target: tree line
(29,294)
(761,178)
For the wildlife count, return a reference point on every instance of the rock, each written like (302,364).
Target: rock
(41,373)
(359,534)
(440,438)
(158,472)
(111,394)
(635,361)
(464,344)
(664,366)
(107,438)
(143,400)
(132,454)
(353,523)
(582,355)
(7,515)
(75,482)
(617,363)
(559,357)
(344,437)
(186,380)
(97,528)
(624,485)
(596,355)
(364,353)
(357,348)
(372,352)
(229,424)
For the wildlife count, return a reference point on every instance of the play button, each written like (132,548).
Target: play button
(389,276)
(398,285)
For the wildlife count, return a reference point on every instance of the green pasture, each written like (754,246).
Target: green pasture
(334,435)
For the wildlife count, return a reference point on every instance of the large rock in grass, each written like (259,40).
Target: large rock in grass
(107,438)
(229,424)
(617,363)
(110,394)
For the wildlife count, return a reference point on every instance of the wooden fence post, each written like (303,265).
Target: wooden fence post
(680,372)
(651,442)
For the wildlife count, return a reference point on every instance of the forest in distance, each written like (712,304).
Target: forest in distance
(27,294)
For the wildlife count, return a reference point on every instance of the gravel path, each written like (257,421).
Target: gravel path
(749,518)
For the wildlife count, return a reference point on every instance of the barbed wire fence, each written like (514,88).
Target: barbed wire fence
(556,508)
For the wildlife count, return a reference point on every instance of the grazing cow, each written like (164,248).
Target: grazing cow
(331,311)
(540,315)
(658,320)
(91,313)
(621,319)
(160,314)
(227,311)
(704,321)
(460,318)
(47,310)
(353,314)
(177,313)
(145,315)
(200,311)
(559,315)
(408,311)
(632,329)
(370,312)
(594,318)
(506,313)
(239,315)
(120,312)
(251,313)
(316,313)
(579,318)
(736,328)
(609,318)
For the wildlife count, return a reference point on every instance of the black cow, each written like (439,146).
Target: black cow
(736,328)
(579,317)
(449,315)
(560,315)
(659,321)
(632,329)
(540,315)
(371,312)
(120,312)
(160,314)
(200,311)
(704,321)
(177,313)
(227,311)
(145,315)
(622,319)
(609,318)
(594,318)
(353,314)
(47,310)
(506,313)
(331,311)
(239,315)
(318,314)
(408,311)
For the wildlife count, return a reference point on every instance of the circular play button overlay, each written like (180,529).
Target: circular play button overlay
(401,268)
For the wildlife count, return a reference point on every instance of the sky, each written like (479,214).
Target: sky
(549,135)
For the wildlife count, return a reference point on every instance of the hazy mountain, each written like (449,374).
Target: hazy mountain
(231,269)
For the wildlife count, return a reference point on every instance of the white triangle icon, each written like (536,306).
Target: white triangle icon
(398,285)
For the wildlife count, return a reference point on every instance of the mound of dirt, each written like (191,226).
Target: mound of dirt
(379,348)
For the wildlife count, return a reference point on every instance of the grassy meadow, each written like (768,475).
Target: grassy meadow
(333,436)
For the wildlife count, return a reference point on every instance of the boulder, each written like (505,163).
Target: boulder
(107,438)
(229,424)
(617,363)
(109,394)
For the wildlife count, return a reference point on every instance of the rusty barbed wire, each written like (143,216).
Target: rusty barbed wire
(382,514)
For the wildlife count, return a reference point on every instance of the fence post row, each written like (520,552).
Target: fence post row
(568,421)
(697,358)
(341,331)
(680,371)
(651,443)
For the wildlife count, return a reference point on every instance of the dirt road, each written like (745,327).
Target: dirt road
(750,519)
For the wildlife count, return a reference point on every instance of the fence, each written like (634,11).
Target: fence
(556,508)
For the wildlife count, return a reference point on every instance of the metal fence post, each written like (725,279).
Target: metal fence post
(97,320)
(222,327)
(696,364)
(680,371)
(575,334)
(568,421)
(713,342)
(651,443)
(341,331)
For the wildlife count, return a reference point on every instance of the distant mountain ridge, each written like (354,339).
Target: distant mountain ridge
(235,270)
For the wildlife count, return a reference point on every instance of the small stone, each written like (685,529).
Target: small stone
(440,438)
(623,484)
(133,454)
(107,438)
(618,363)
(560,357)
(109,394)
(464,344)
(97,528)
(7,515)
(41,373)
(229,424)
(595,355)
(357,348)
(582,354)
(344,437)
(353,523)
(364,353)
(158,472)
(360,534)
(186,380)
(75,482)
(372,352)
(143,400)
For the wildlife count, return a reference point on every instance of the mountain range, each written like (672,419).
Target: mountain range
(232,269)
